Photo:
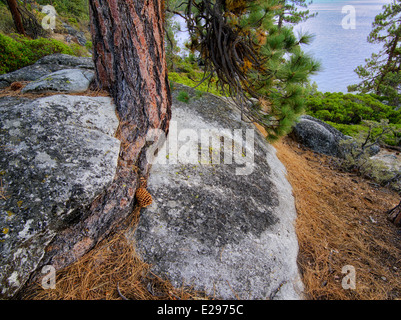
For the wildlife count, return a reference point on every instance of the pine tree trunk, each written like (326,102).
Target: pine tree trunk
(130,62)
(13,5)
(390,59)
(129,55)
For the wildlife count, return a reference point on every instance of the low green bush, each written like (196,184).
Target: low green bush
(348,129)
(350,108)
(18,51)
(192,81)
(76,8)
(392,138)
(348,113)
(183,96)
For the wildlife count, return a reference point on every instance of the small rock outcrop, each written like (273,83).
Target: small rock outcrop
(44,67)
(323,138)
(79,35)
(57,155)
(222,218)
(67,80)
(319,136)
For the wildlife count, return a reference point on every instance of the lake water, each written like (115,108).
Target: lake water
(340,50)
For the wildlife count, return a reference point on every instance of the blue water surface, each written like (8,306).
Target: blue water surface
(339,48)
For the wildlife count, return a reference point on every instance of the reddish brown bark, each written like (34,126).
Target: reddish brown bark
(13,5)
(130,61)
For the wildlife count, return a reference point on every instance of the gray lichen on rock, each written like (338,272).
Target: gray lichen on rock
(57,154)
(69,80)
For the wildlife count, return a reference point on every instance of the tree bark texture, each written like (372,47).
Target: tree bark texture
(130,60)
(129,55)
(13,5)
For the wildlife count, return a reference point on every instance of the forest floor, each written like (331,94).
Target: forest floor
(342,221)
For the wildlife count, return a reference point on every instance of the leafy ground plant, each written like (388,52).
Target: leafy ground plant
(18,51)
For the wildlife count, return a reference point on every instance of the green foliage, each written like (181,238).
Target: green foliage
(6,21)
(172,28)
(373,169)
(18,51)
(192,81)
(348,113)
(75,8)
(392,138)
(186,65)
(183,96)
(290,11)
(382,72)
(351,130)
(253,56)
(89,45)
(349,108)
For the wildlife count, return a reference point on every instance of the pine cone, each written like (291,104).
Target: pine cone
(143,197)
(16,86)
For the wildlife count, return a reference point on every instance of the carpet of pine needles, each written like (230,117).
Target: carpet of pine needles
(342,220)
(111,271)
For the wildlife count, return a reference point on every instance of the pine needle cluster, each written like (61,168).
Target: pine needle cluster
(257,61)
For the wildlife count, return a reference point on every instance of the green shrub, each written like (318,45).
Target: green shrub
(349,108)
(11,57)
(183,78)
(348,129)
(372,169)
(348,113)
(392,138)
(76,8)
(183,96)
(73,20)
(18,51)
(89,45)
(199,94)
